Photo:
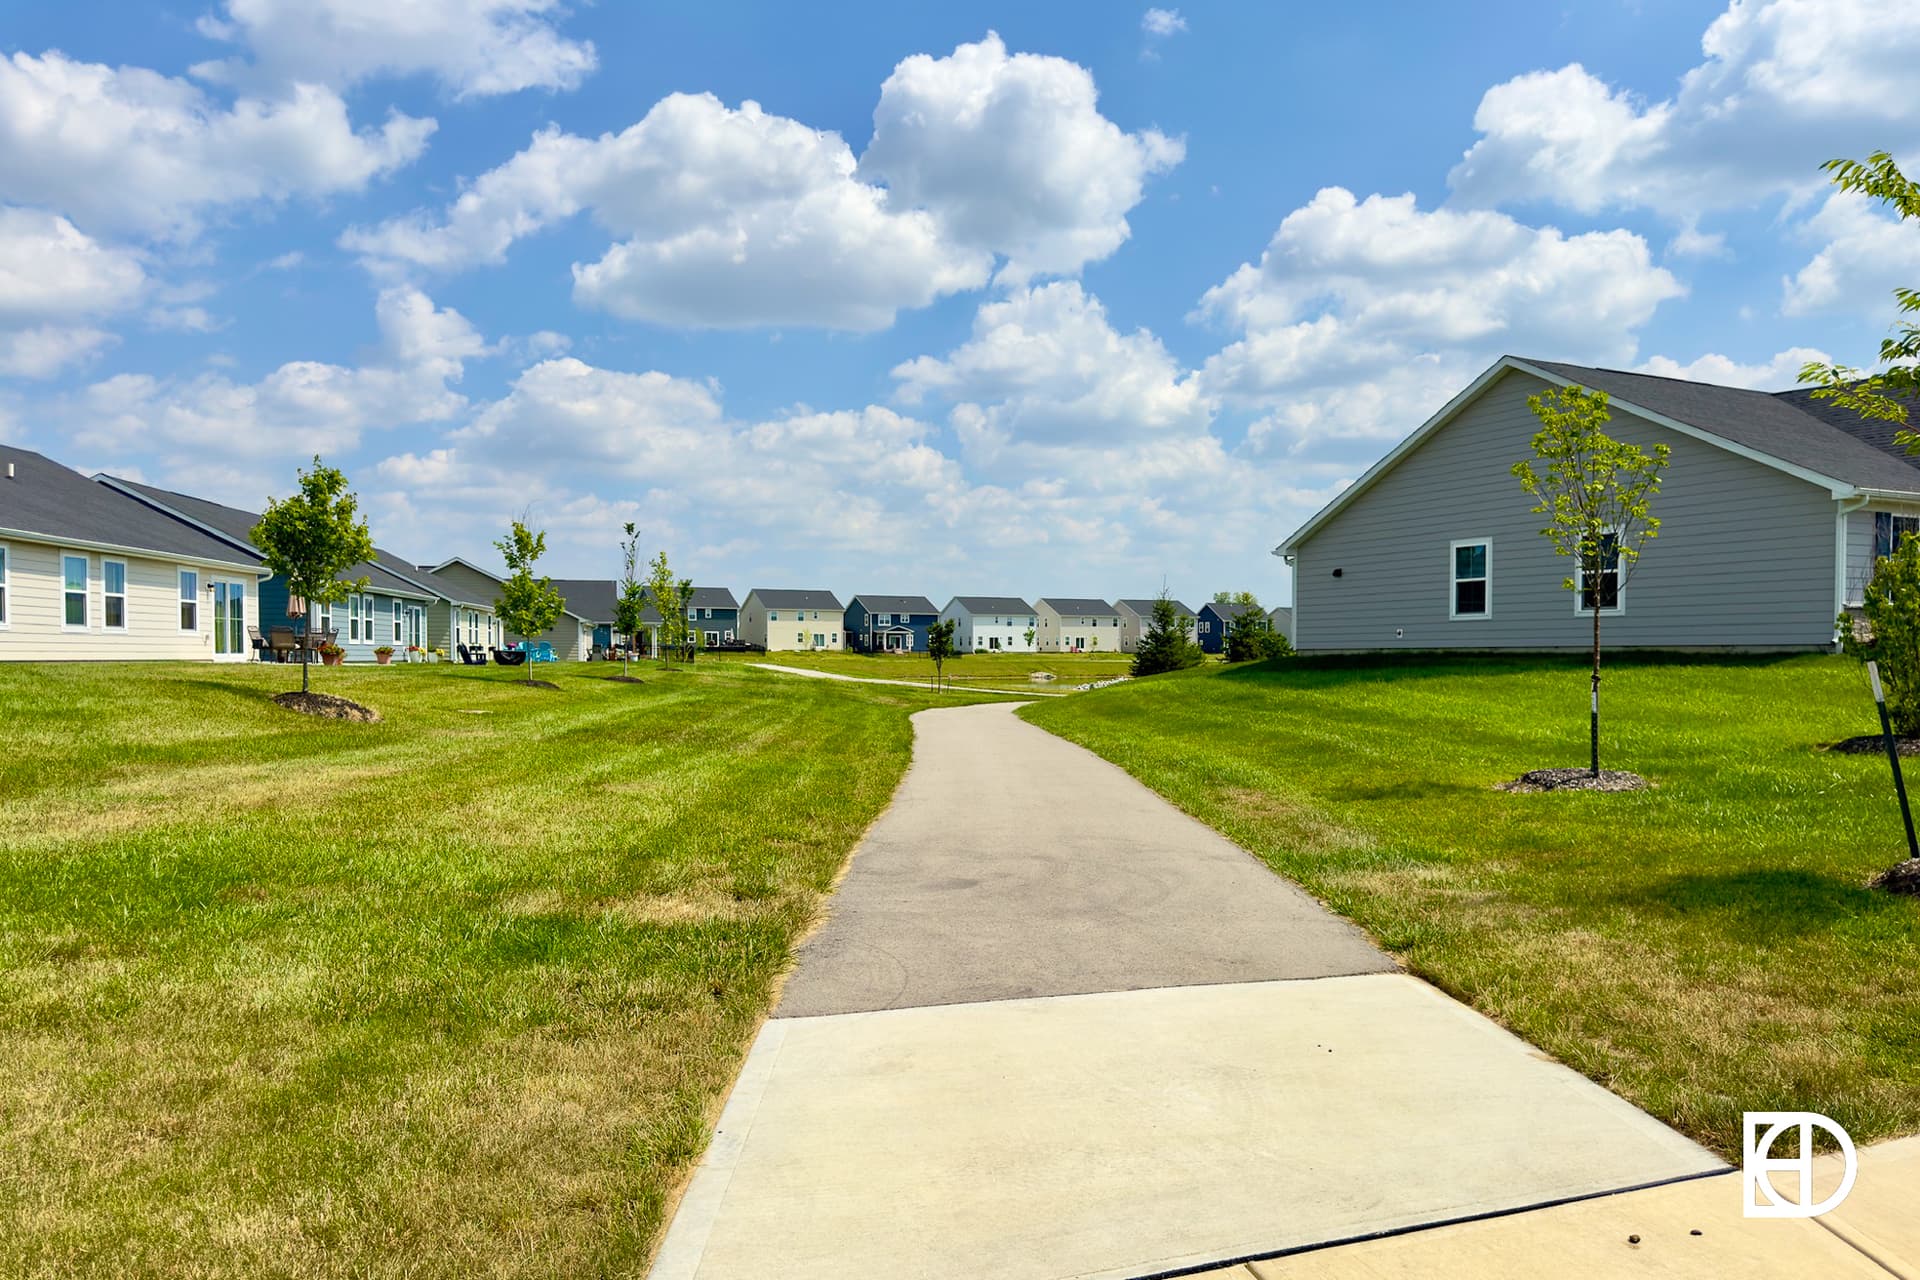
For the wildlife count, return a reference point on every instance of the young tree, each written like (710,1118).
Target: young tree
(1250,635)
(528,605)
(940,647)
(1879,395)
(312,538)
(630,606)
(669,595)
(1597,494)
(1891,605)
(1030,633)
(1164,645)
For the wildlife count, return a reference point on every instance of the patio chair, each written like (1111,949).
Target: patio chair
(282,643)
(538,651)
(471,657)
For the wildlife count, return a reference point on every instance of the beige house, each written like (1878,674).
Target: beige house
(1070,625)
(1137,615)
(778,620)
(88,573)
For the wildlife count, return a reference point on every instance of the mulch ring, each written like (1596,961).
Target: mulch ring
(1901,878)
(327,705)
(1575,780)
(1872,744)
(536,684)
(626,679)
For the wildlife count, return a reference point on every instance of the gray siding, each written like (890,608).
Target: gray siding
(1745,556)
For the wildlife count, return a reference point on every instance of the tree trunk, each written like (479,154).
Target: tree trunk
(1594,711)
(305,653)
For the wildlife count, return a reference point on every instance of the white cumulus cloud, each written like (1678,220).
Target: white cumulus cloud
(472,48)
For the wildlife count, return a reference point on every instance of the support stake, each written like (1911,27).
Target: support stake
(1893,757)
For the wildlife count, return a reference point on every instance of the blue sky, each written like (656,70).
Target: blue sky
(1065,299)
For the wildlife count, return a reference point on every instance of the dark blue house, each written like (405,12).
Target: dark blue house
(715,616)
(1215,618)
(889,624)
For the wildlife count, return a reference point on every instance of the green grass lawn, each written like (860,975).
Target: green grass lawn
(456,994)
(999,670)
(1704,948)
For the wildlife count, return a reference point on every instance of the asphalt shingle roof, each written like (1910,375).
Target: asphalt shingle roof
(1068,604)
(384,572)
(896,604)
(713,598)
(591,599)
(1228,610)
(993,604)
(1145,607)
(779,599)
(58,502)
(1788,425)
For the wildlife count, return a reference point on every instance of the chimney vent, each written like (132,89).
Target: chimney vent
(9,471)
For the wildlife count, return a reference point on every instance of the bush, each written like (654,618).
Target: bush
(1887,631)
(1164,645)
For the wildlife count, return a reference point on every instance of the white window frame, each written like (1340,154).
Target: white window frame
(1454,581)
(1580,610)
(105,595)
(354,608)
(86,592)
(6,582)
(183,597)
(399,623)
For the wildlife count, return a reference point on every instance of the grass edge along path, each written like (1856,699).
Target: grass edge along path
(1703,948)
(458,993)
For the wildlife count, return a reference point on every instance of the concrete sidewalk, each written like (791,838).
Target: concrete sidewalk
(1054,1028)
(1687,1231)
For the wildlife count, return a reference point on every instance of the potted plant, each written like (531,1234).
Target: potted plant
(332,654)
(383,655)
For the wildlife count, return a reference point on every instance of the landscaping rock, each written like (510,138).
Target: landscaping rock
(1901,878)
(1575,780)
(327,705)
(1872,744)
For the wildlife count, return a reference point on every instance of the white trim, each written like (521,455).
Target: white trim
(113,548)
(1291,544)
(193,598)
(6,582)
(86,592)
(106,623)
(1842,508)
(1453,581)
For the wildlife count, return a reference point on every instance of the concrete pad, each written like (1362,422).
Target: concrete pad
(1881,1215)
(1595,1238)
(1123,1134)
(1013,864)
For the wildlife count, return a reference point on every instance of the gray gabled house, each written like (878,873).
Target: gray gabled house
(1771,511)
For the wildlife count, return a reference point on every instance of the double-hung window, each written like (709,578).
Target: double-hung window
(353,619)
(1600,578)
(1890,530)
(113,594)
(189,600)
(1472,578)
(73,576)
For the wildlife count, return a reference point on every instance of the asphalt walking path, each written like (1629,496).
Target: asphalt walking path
(1052,1027)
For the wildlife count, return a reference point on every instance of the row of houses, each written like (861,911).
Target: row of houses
(106,567)
(1773,509)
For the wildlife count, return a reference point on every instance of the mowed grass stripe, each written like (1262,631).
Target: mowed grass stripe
(1704,948)
(448,995)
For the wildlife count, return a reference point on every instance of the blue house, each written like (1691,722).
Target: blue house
(889,624)
(391,612)
(1215,618)
(715,616)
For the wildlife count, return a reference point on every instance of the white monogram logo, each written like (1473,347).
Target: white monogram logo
(1761,1198)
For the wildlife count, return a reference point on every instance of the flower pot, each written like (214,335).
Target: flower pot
(333,659)
(384,659)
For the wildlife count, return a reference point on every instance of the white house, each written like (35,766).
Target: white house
(89,573)
(1070,625)
(1137,615)
(777,619)
(991,624)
